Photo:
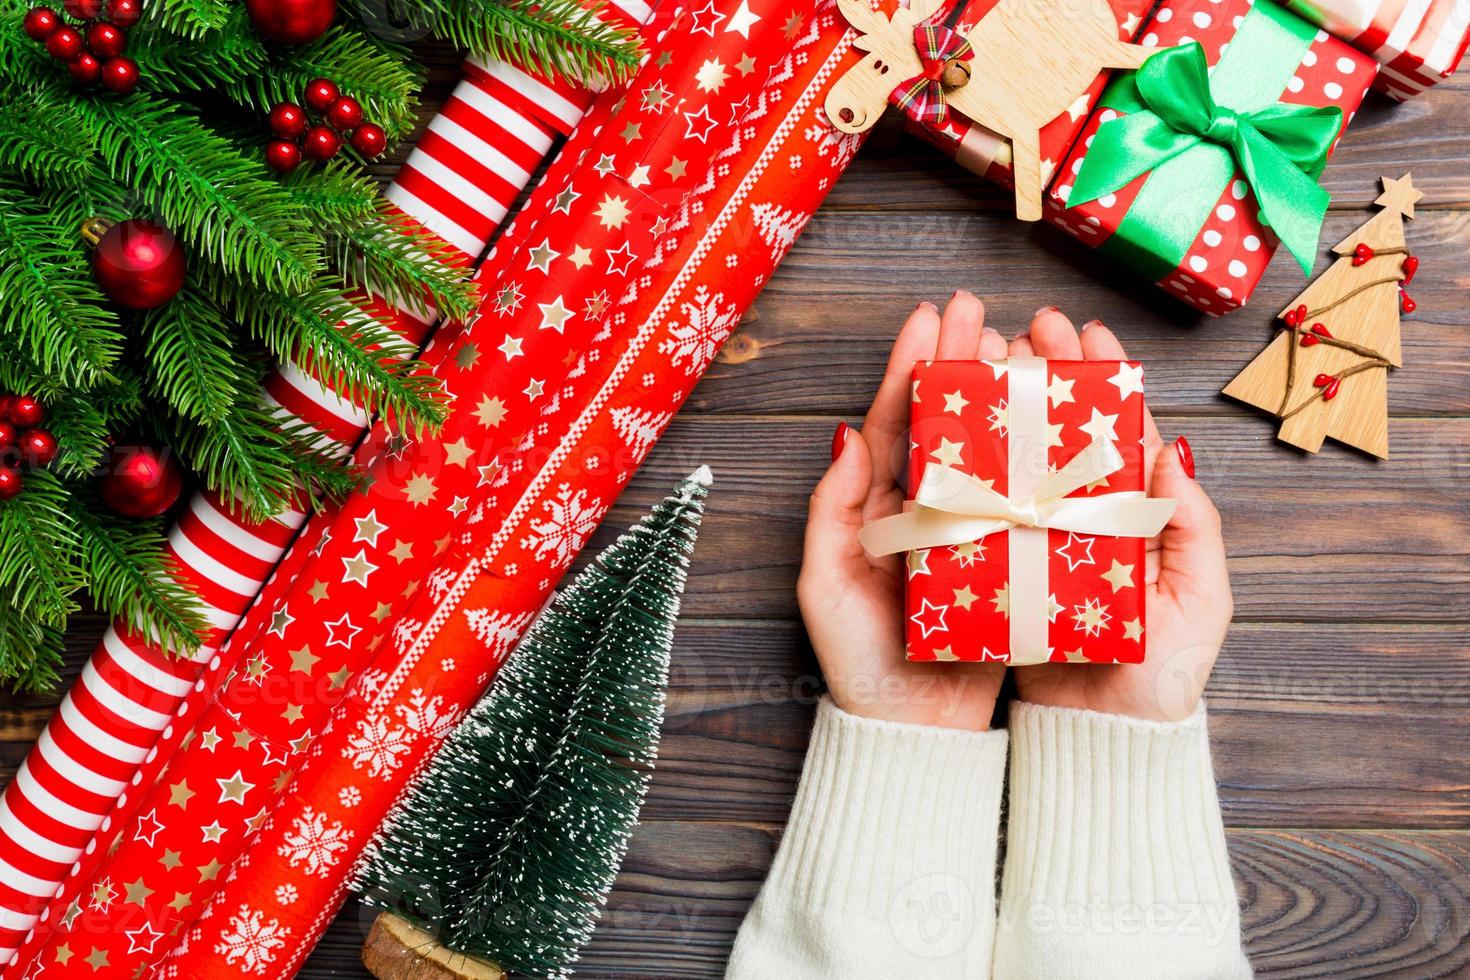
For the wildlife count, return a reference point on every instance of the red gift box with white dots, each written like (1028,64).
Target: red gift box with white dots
(1232,248)
(958,600)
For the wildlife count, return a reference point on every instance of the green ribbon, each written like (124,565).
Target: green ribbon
(1193,128)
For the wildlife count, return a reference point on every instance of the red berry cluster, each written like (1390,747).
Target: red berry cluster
(22,440)
(297,135)
(92,50)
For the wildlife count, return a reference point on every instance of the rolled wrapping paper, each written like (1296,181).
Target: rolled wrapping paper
(109,723)
(753,199)
(1418,42)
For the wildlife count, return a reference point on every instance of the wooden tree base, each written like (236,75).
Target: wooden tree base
(396,949)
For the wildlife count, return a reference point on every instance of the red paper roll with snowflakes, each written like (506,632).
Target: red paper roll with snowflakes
(773,171)
(131,688)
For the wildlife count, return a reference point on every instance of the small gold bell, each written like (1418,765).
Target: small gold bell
(956,75)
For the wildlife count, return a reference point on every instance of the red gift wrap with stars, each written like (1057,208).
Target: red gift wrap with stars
(1027,524)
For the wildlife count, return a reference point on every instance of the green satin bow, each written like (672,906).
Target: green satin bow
(1280,148)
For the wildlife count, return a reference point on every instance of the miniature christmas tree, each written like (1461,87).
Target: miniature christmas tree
(506,850)
(1326,373)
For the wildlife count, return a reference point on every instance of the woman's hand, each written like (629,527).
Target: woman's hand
(1188,587)
(852,603)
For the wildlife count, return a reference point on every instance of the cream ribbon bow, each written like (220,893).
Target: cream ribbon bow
(952,507)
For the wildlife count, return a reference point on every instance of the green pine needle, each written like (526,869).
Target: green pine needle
(190,18)
(391,256)
(30,651)
(508,846)
(39,546)
(130,576)
(189,347)
(46,140)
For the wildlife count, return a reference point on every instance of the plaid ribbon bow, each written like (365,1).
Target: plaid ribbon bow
(922,97)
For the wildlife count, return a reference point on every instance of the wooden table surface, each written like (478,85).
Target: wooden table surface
(1341,705)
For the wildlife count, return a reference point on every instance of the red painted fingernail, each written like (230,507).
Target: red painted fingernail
(1186,456)
(839,439)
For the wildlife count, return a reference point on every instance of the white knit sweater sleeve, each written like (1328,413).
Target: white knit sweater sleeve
(1115,862)
(887,866)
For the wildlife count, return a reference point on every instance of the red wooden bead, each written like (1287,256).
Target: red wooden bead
(83,9)
(106,40)
(120,75)
(38,446)
(40,22)
(1363,254)
(85,68)
(282,156)
(10,482)
(288,120)
(1330,392)
(1406,302)
(344,113)
(320,93)
(125,13)
(64,43)
(1322,380)
(24,412)
(1411,268)
(369,140)
(321,143)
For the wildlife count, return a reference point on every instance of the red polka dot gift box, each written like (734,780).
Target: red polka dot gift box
(1025,533)
(1419,43)
(1194,169)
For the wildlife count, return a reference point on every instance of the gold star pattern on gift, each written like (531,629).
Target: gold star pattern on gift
(456,453)
(511,347)
(1000,418)
(1060,390)
(1077,551)
(917,561)
(742,20)
(711,76)
(656,98)
(342,632)
(402,551)
(1002,600)
(490,412)
(1119,576)
(318,591)
(613,211)
(1053,608)
(1129,379)
(181,901)
(929,618)
(382,612)
(1091,617)
(136,892)
(233,789)
(419,490)
(281,620)
(554,315)
(706,19)
(292,713)
(1101,426)
(640,176)
(467,356)
(948,453)
(170,859)
(357,568)
(1133,630)
(581,257)
(605,165)
(745,65)
(542,256)
(964,598)
(677,168)
(792,27)
(97,959)
(103,896)
(368,529)
(214,833)
(620,259)
(179,794)
(700,124)
(632,131)
(210,871)
(955,402)
(64,954)
(970,552)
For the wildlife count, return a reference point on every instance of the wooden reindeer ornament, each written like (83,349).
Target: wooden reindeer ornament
(1326,373)
(1026,62)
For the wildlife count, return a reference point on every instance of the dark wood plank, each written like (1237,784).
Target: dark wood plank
(818,337)
(1327,538)
(1315,904)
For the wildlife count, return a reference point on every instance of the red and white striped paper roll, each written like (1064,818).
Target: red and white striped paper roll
(1418,42)
(459,182)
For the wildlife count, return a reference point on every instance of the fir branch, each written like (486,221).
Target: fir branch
(45,139)
(241,455)
(30,651)
(188,344)
(334,198)
(187,18)
(38,551)
(212,61)
(131,576)
(561,37)
(221,201)
(328,335)
(83,422)
(393,257)
(48,307)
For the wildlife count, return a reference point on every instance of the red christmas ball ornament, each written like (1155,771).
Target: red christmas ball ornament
(7,436)
(10,482)
(125,13)
(106,40)
(40,22)
(38,447)
(344,114)
(140,481)
(292,21)
(85,68)
(64,43)
(24,412)
(119,75)
(282,156)
(320,93)
(288,120)
(139,264)
(321,143)
(369,140)
(83,9)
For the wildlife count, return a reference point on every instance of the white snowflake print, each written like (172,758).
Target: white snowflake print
(709,321)
(379,745)
(251,940)
(498,631)
(447,664)
(424,715)
(778,227)
(440,581)
(570,520)
(405,632)
(286,894)
(639,428)
(349,796)
(314,842)
(833,142)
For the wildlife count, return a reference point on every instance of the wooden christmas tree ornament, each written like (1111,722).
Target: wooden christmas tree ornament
(396,949)
(1026,62)
(1326,372)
